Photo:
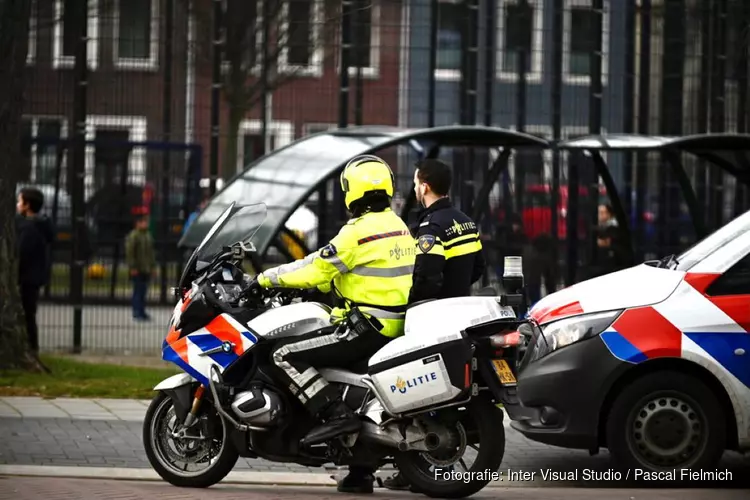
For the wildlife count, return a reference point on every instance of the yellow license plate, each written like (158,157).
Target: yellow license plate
(503,371)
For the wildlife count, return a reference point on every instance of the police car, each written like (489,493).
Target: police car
(652,362)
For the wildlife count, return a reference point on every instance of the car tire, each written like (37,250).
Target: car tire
(664,421)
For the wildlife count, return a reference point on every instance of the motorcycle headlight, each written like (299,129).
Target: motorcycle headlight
(565,332)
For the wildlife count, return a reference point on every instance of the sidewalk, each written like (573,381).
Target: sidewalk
(128,410)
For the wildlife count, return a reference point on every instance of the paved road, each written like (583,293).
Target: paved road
(22,488)
(117,443)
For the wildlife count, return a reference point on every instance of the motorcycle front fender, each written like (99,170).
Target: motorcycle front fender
(179,388)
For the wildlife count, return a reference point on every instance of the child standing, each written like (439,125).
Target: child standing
(139,255)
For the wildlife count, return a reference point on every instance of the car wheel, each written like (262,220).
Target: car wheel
(664,421)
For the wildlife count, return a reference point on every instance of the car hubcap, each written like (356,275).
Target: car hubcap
(668,431)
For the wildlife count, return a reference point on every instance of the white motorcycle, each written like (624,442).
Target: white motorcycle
(428,400)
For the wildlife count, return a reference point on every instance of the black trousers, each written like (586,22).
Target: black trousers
(29,301)
(295,358)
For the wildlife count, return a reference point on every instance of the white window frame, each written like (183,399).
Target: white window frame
(447,75)
(33,23)
(137,127)
(569,78)
(315,68)
(282,130)
(372,72)
(537,42)
(137,63)
(257,68)
(59,60)
(307,126)
(35,119)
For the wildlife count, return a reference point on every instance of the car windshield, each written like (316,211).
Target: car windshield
(713,242)
(237,224)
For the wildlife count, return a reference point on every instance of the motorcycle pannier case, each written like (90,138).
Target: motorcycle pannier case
(415,373)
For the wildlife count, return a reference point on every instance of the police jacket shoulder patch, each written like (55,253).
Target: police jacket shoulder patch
(426,242)
(328,251)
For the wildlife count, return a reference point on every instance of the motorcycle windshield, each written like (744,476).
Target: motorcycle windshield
(237,224)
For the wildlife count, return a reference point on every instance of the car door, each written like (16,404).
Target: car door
(728,341)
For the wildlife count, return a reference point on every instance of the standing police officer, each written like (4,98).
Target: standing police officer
(449,253)
(370,263)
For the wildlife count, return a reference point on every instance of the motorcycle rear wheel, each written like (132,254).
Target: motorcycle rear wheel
(488,433)
(156,441)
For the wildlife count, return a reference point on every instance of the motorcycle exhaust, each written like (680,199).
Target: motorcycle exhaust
(375,434)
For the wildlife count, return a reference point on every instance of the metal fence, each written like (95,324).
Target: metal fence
(199,88)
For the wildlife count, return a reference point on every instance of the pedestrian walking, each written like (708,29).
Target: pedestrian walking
(139,255)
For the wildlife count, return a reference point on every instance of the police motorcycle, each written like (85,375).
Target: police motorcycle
(428,399)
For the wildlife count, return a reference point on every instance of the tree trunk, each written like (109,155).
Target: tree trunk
(14,37)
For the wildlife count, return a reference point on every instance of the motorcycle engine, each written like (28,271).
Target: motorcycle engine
(258,407)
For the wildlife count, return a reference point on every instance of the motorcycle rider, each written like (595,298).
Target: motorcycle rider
(449,258)
(370,263)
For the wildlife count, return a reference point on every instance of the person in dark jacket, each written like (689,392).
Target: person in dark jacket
(611,254)
(35,236)
(449,251)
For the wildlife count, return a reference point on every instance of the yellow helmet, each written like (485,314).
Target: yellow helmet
(364,174)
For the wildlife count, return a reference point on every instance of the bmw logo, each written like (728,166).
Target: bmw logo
(226,346)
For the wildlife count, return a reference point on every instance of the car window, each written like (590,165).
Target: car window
(713,241)
(735,281)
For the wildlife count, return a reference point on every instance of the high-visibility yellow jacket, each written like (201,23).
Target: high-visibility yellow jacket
(370,262)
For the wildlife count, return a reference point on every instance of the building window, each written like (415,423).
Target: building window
(301,51)
(365,38)
(450,15)
(238,49)
(105,162)
(250,143)
(136,34)
(40,142)
(520,29)
(64,34)
(581,34)
(316,128)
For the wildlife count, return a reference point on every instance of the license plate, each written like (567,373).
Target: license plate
(503,371)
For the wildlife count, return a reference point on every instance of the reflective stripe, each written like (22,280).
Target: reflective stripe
(315,388)
(456,241)
(336,262)
(380,236)
(383,272)
(273,274)
(464,249)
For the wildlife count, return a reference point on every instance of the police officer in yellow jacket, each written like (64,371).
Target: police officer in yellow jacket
(369,263)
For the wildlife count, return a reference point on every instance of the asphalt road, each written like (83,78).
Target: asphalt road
(34,488)
(112,443)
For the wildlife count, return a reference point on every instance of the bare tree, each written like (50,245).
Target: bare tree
(267,44)
(14,37)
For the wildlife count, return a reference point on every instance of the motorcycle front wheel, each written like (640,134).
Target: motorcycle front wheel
(197,457)
(479,437)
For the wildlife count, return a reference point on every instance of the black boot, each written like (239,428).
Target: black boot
(358,481)
(337,420)
(398,482)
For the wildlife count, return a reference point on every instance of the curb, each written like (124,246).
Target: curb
(235,477)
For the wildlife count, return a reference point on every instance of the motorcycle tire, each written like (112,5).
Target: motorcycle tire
(491,440)
(223,465)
